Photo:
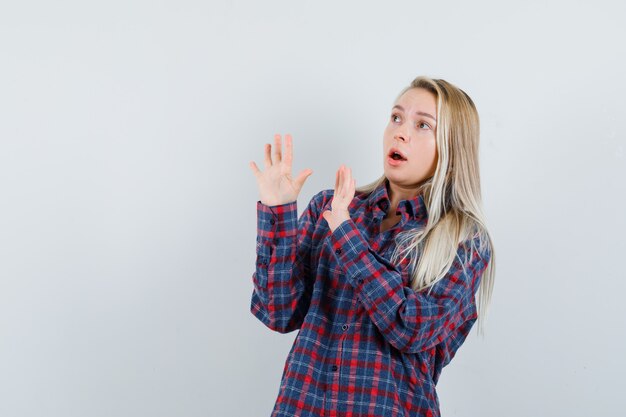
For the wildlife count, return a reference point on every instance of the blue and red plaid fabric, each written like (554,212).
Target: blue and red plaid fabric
(368,344)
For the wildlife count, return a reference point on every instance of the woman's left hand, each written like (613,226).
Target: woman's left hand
(344,193)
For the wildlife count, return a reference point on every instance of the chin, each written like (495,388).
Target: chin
(400,179)
(394,177)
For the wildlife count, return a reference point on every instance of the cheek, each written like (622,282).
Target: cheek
(386,139)
(430,149)
(426,156)
(433,151)
(434,159)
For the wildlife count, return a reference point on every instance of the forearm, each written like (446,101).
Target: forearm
(410,321)
(280,298)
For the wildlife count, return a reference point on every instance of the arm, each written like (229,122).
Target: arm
(410,321)
(283,282)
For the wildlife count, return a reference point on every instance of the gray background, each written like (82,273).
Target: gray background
(128,210)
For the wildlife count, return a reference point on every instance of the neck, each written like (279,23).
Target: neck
(396,194)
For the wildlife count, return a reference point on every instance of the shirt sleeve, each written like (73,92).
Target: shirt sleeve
(411,321)
(283,282)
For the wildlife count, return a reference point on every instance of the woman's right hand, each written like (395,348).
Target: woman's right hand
(276,185)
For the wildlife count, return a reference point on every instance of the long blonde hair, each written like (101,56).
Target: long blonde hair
(452,197)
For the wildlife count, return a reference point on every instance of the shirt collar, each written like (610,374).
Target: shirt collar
(414,207)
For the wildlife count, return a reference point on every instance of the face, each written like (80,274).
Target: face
(411,131)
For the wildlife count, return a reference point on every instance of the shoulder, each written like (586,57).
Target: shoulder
(319,201)
(478,246)
(323,197)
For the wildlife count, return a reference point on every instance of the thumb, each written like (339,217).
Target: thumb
(326,215)
(302,176)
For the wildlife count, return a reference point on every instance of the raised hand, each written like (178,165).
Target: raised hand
(276,186)
(345,187)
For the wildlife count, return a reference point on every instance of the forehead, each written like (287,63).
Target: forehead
(418,98)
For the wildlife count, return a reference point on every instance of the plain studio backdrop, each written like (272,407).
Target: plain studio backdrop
(128,209)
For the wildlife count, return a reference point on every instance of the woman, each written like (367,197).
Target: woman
(381,280)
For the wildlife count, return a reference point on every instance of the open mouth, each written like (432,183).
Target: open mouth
(396,156)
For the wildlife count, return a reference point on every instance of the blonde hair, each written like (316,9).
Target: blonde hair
(452,197)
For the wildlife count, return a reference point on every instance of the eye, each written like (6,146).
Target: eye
(395,117)
(423,124)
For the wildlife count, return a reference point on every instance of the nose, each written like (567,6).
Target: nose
(401,135)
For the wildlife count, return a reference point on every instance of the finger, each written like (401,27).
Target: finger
(268,156)
(336,180)
(340,183)
(288,157)
(326,215)
(349,183)
(302,177)
(255,169)
(277,148)
(344,185)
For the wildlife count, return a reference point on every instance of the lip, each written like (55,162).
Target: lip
(392,150)
(395,163)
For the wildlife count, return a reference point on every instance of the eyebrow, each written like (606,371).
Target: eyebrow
(421,113)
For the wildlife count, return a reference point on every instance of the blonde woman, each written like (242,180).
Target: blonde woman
(384,282)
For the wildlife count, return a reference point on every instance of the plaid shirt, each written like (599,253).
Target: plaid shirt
(368,344)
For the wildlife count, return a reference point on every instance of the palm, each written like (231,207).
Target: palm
(344,194)
(276,185)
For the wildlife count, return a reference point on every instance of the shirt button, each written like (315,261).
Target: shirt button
(272,221)
(344,327)
(338,251)
(360,281)
(334,368)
